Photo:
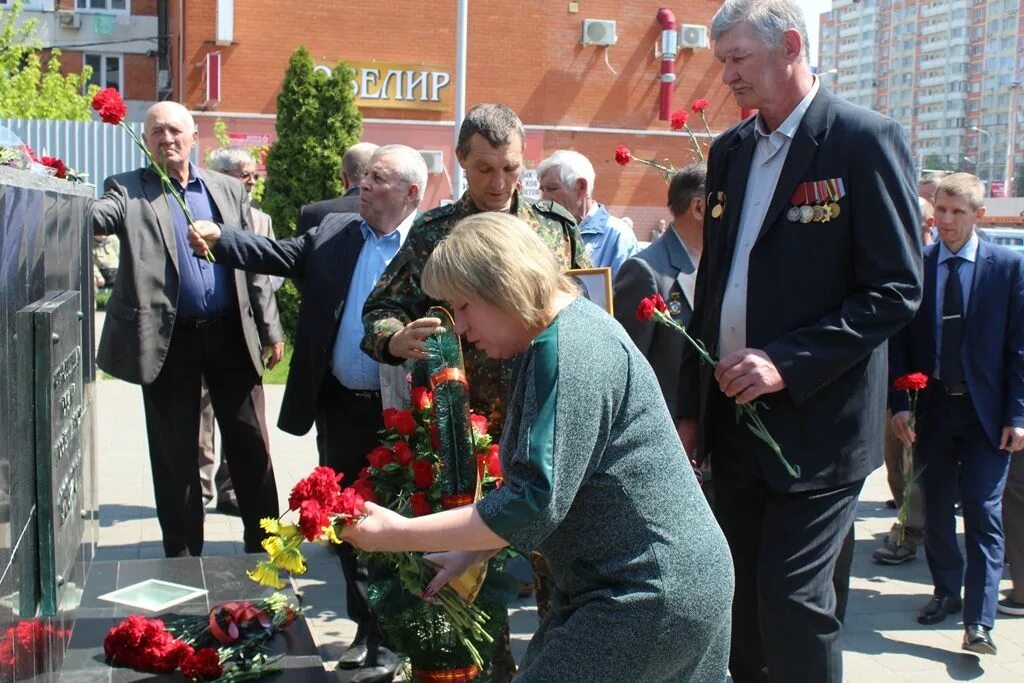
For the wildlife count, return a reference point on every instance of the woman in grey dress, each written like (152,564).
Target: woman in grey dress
(595,477)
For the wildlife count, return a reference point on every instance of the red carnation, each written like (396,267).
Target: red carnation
(108,103)
(422,399)
(350,503)
(56,164)
(479,423)
(403,454)
(312,519)
(204,665)
(678,119)
(379,457)
(699,105)
(645,311)
(419,504)
(914,381)
(423,474)
(321,485)
(622,155)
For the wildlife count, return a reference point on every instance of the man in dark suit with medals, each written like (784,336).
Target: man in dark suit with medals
(811,262)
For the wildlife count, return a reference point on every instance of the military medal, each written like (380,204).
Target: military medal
(793,215)
(719,208)
(806,214)
(836,190)
(675,307)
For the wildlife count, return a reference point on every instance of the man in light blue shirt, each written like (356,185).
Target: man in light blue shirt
(330,378)
(567,178)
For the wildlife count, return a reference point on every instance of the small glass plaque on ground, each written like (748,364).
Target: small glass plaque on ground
(153,595)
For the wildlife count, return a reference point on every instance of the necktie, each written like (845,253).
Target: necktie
(950,363)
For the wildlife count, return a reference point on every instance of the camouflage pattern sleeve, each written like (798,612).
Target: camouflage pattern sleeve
(558,229)
(397,299)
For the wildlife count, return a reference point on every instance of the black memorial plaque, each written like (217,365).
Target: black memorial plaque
(59,414)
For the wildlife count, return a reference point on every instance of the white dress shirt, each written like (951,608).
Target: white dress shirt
(770,153)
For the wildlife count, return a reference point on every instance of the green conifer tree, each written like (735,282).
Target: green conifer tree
(317,120)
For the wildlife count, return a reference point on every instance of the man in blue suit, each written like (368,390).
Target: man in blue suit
(971,416)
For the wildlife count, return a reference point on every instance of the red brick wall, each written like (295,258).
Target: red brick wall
(144,8)
(525,54)
(139,77)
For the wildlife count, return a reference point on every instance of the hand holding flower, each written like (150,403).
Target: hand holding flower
(379,530)
(903,428)
(748,374)
(203,238)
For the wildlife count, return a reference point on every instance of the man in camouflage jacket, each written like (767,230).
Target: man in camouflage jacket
(490,149)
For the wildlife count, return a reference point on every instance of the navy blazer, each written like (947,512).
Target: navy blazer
(993,349)
(325,258)
(822,298)
(658,269)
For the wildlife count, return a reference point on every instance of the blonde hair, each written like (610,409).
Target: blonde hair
(963,185)
(496,257)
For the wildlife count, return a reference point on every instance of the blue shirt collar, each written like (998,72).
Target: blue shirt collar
(400,233)
(968,252)
(596,220)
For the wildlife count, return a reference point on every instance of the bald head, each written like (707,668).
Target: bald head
(355,161)
(170,136)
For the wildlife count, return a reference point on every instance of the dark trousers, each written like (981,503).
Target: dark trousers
(955,450)
(217,352)
(351,422)
(785,548)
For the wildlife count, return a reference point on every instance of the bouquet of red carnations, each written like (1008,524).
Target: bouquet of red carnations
(230,644)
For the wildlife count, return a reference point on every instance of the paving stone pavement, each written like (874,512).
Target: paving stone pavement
(882,642)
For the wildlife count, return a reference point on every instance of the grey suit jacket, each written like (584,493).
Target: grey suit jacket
(662,268)
(142,307)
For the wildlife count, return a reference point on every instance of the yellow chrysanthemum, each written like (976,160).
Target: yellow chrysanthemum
(266,574)
(332,534)
(273,545)
(290,559)
(271,525)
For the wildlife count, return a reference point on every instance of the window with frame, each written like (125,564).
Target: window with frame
(106,70)
(102,5)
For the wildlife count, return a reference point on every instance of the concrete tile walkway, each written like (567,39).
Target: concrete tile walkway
(883,642)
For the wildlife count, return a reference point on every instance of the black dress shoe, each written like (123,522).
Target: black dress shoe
(354,657)
(381,669)
(938,607)
(978,639)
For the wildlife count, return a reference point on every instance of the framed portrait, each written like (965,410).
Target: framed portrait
(595,284)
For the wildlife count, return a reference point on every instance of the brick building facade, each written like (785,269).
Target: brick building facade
(526,54)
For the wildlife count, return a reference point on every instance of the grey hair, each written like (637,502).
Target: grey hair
(571,166)
(495,122)
(686,185)
(356,160)
(227,159)
(411,167)
(767,19)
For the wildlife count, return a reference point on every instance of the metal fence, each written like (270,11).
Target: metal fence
(93,148)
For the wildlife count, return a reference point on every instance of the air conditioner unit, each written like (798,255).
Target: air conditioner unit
(599,32)
(434,159)
(69,20)
(693,36)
